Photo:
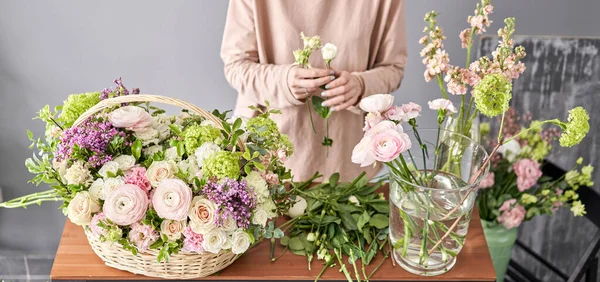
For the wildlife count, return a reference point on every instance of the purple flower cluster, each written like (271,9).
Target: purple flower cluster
(89,140)
(120,90)
(233,199)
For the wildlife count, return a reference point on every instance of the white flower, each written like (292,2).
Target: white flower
(150,151)
(190,167)
(214,240)
(172,228)
(310,237)
(377,103)
(229,224)
(270,207)
(259,185)
(60,167)
(125,162)
(241,242)
(171,154)
(228,243)
(312,42)
(110,185)
(78,173)
(361,154)
(352,199)
(96,189)
(160,170)
(510,150)
(260,217)
(329,51)
(208,122)
(298,208)
(110,166)
(148,136)
(161,123)
(442,104)
(202,215)
(181,118)
(205,150)
(81,207)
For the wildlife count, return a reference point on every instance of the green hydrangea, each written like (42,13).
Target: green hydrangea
(263,127)
(492,94)
(527,199)
(286,144)
(75,105)
(576,128)
(222,164)
(195,135)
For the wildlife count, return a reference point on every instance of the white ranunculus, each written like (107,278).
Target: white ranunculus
(298,208)
(81,207)
(240,242)
(229,224)
(510,150)
(148,136)
(214,240)
(259,185)
(329,52)
(377,103)
(78,173)
(150,151)
(110,166)
(125,162)
(96,189)
(205,150)
(110,185)
(361,154)
(164,131)
(160,170)
(171,154)
(202,215)
(172,228)
(260,217)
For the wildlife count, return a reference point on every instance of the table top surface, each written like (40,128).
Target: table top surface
(75,260)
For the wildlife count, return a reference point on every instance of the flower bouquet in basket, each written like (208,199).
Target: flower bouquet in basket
(147,186)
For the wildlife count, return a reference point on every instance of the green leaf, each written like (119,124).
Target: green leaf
(180,149)
(284,241)
(362,220)
(381,207)
(368,237)
(136,149)
(277,233)
(326,220)
(237,124)
(322,111)
(333,179)
(362,181)
(370,189)
(163,254)
(298,252)
(313,204)
(175,129)
(295,244)
(348,208)
(30,135)
(370,254)
(348,221)
(379,221)
(258,165)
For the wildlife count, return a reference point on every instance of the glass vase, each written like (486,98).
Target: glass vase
(431,199)
(469,128)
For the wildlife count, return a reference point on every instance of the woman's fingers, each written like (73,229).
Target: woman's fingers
(312,83)
(335,100)
(339,81)
(345,105)
(311,73)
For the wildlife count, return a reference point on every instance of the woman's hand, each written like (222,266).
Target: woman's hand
(302,82)
(343,92)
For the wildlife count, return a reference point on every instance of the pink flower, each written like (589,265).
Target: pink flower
(130,117)
(382,127)
(512,214)
(411,110)
(137,176)
(487,181)
(442,104)
(477,21)
(172,199)
(377,103)
(388,145)
(192,241)
(371,120)
(361,153)
(394,113)
(282,155)
(488,9)
(271,178)
(464,38)
(528,172)
(556,206)
(142,236)
(126,204)
(96,219)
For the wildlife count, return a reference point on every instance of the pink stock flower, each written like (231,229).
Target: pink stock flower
(126,204)
(137,176)
(528,172)
(442,104)
(512,214)
(438,63)
(172,199)
(372,119)
(282,155)
(142,236)
(477,22)
(464,38)
(192,242)
(487,181)
(388,145)
(411,110)
(130,117)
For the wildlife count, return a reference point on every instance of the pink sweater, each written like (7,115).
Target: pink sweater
(258,41)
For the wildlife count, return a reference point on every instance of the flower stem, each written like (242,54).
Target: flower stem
(35,198)
(354,265)
(312,123)
(322,271)
(385,256)
(327,136)
(342,265)
(423,255)
(441,84)
(555,121)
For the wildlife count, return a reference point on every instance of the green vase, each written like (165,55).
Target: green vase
(500,242)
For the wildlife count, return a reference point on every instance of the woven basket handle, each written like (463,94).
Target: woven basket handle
(107,103)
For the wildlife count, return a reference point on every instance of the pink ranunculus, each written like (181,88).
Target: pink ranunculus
(372,119)
(142,236)
(361,154)
(388,145)
(528,172)
(130,117)
(487,181)
(512,214)
(126,204)
(172,199)
(411,110)
(442,104)
(384,126)
(377,103)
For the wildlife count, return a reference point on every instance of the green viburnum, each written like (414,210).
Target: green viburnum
(484,128)
(221,165)
(263,127)
(577,208)
(286,144)
(196,135)
(527,199)
(492,94)
(75,105)
(575,179)
(576,127)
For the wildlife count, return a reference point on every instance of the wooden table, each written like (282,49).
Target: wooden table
(75,260)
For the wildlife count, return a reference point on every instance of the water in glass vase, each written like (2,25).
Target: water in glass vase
(418,221)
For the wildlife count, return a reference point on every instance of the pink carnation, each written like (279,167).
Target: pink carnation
(142,236)
(487,181)
(442,104)
(528,172)
(411,110)
(192,241)
(394,113)
(137,176)
(512,214)
(96,219)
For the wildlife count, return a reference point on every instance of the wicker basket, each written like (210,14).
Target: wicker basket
(181,265)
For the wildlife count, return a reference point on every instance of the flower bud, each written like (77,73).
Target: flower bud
(310,237)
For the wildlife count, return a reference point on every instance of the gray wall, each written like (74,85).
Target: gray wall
(49,49)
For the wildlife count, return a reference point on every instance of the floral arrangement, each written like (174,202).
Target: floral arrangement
(141,179)
(301,56)
(515,189)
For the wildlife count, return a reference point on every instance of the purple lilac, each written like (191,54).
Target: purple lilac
(233,199)
(93,136)
(120,90)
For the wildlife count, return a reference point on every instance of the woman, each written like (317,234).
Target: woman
(257,47)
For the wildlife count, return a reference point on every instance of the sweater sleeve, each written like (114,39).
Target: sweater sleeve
(255,81)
